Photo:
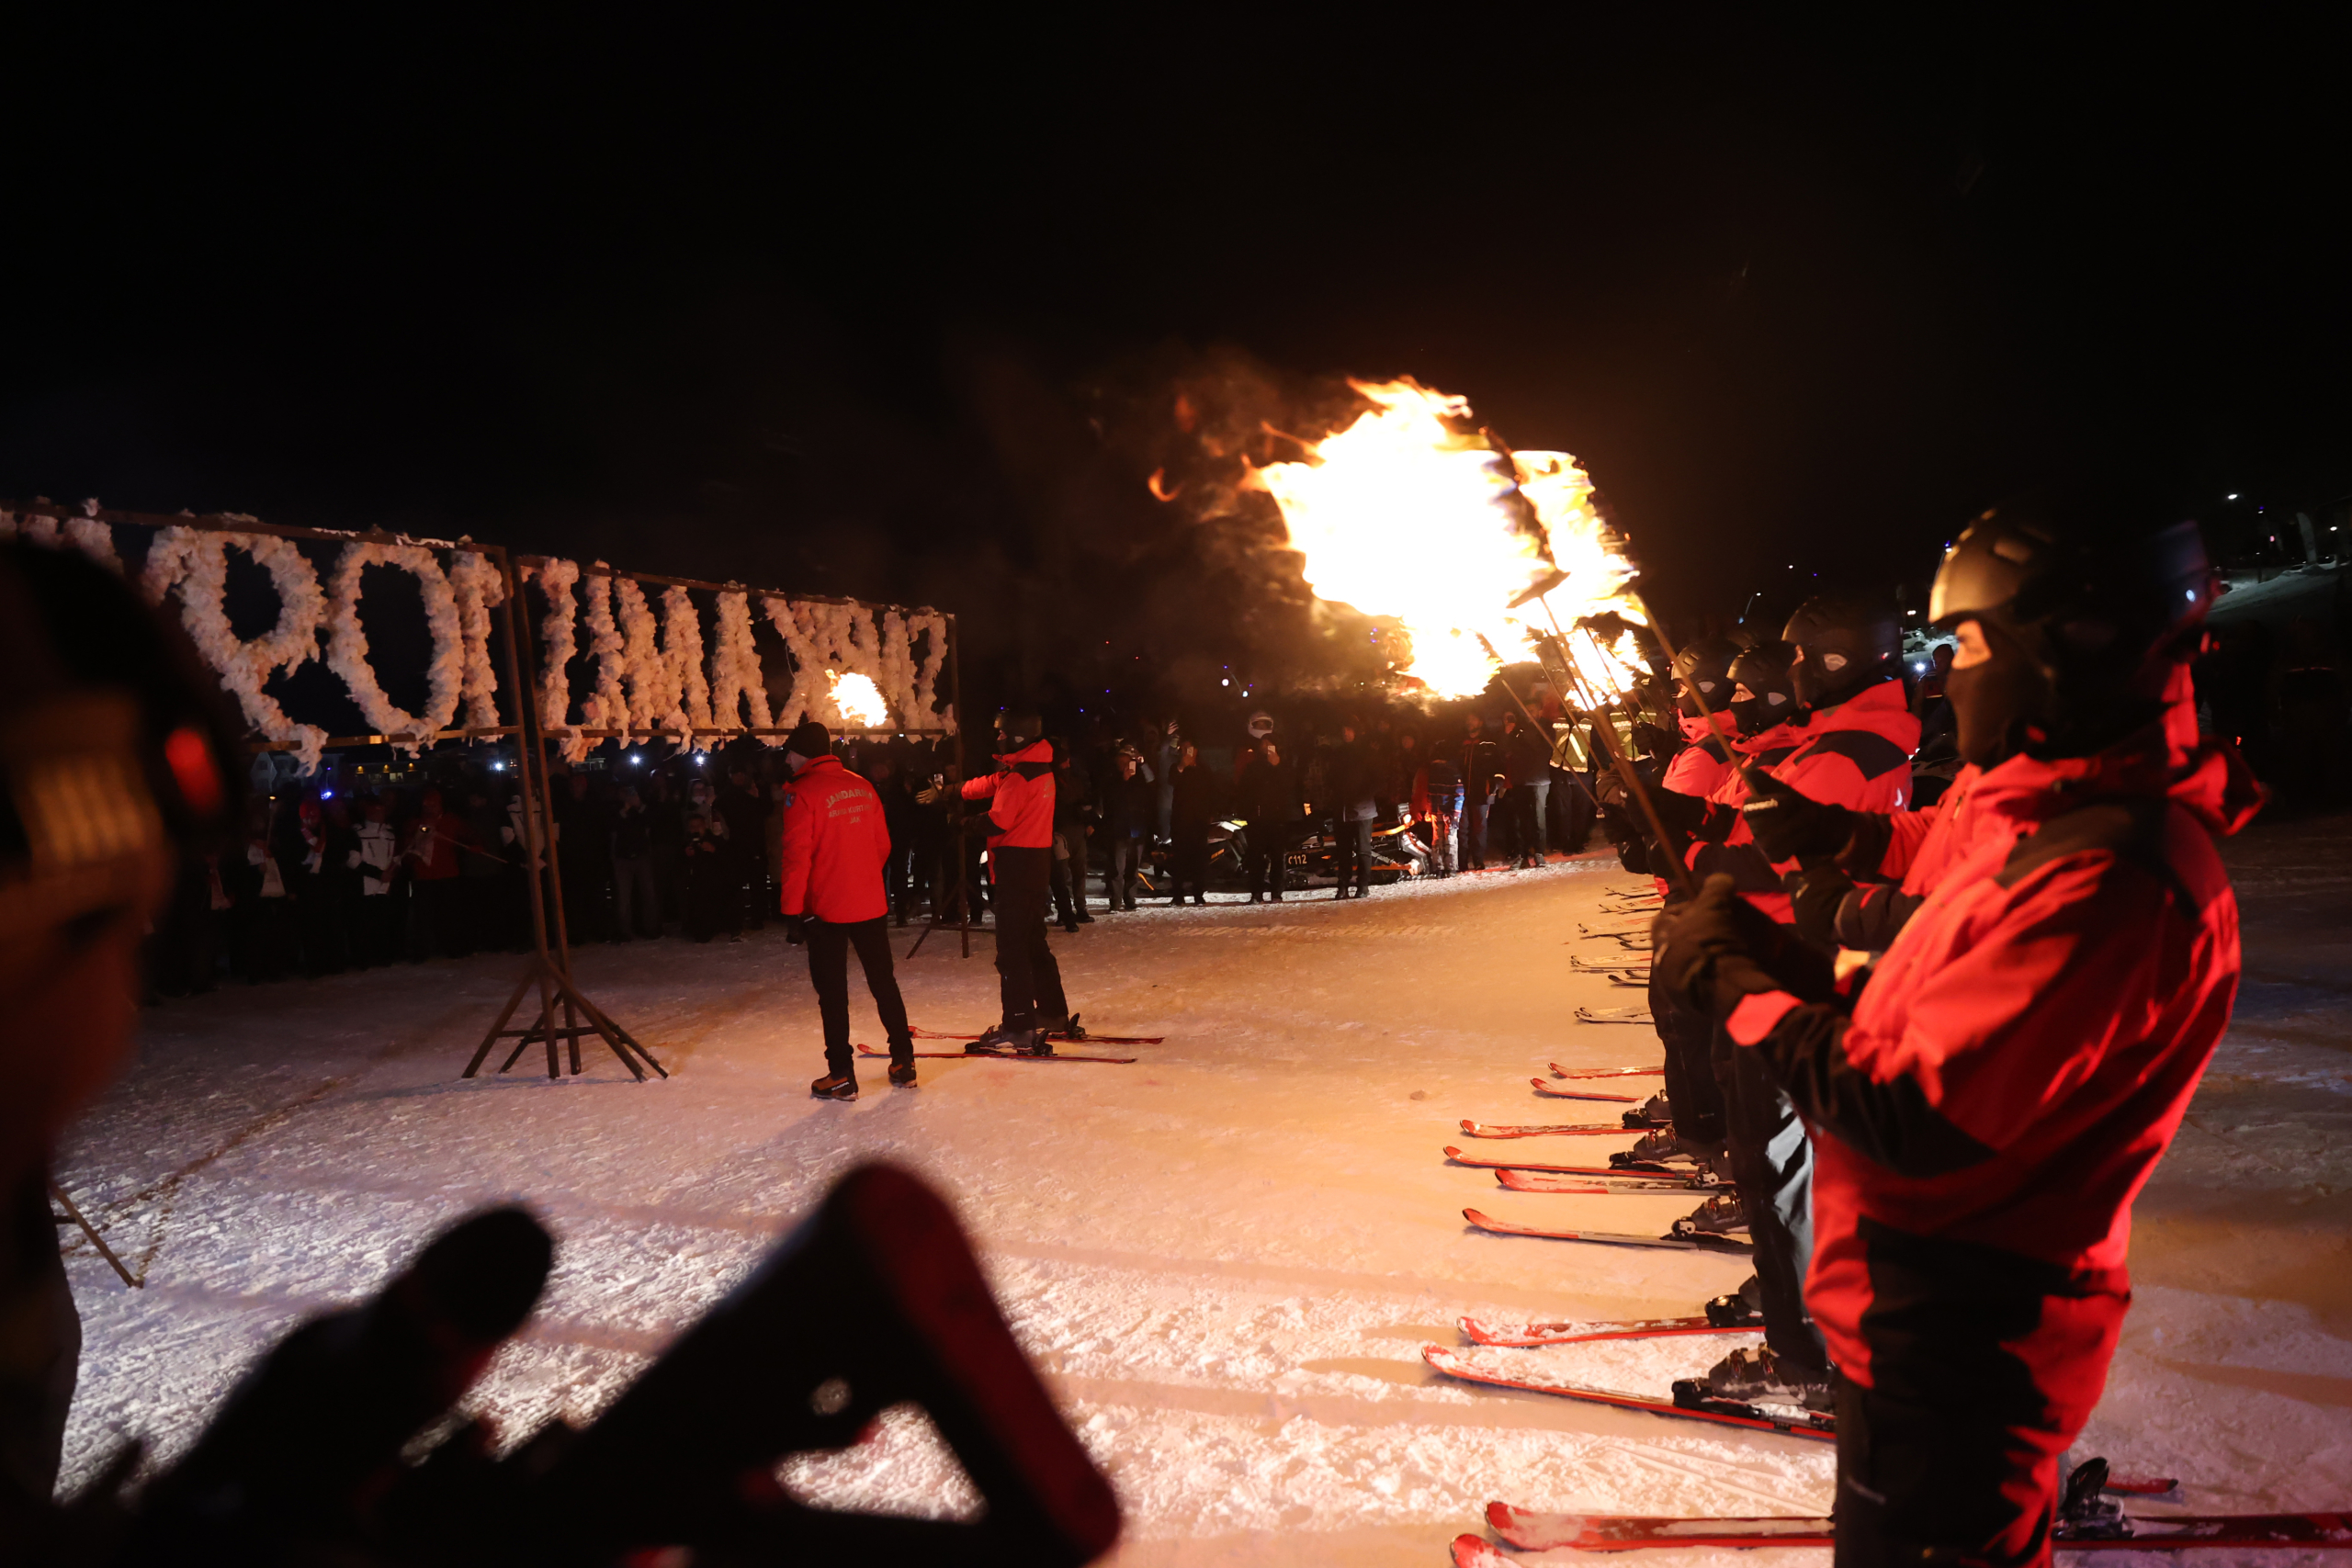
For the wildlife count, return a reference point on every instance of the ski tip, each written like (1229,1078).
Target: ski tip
(1453,1153)
(1477,1552)
(1469,1126)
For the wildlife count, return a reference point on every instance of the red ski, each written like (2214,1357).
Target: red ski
(1689,1177)
(1699,1242)
(1576,1129)
(1082,1035)
(1560,1072)
(1520,1335)
(1000,1056)
(1722,1413)
(1542,1088)
(1533,1531)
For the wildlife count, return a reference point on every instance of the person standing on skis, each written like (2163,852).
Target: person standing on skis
(1020,825)
(836,843)
(1985,1111)
(1854,746)
(1692,1103)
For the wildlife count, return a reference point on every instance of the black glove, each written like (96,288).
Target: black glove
(795,929)
(1789,825)
(1715,826)
(1719,947)
(1634,854)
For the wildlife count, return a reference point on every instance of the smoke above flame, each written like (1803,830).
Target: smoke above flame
(1413,514)
(859,699)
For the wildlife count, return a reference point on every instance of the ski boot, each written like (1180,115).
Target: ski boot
(1065,1027)
(1742,1308)
(902,1074)
(1006,1039)
(835,1086)
(1653,1149)
(1755,1376)
(1651,1112)
(1719,1215)
(2084,1513)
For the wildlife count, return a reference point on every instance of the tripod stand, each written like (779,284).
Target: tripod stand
(550,971)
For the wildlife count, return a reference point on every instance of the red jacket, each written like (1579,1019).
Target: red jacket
(1857,755)
(1698,767)
(1021,798)
(2016,1066)
(835,844)
(1737,856)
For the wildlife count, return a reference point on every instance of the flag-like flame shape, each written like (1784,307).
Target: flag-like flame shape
(1412,514)
(859,699)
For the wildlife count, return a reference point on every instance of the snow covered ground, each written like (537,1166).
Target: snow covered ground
(1225,1258)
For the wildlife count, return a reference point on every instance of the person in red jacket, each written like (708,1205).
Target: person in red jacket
(1986,1111)
(835,845)
(1020,825)
(1853,739)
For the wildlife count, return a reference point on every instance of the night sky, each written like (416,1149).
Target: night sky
(894,310)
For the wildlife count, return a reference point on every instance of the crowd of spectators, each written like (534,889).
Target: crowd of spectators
(686,846)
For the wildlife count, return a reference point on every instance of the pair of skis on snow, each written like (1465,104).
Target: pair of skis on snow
(1023,1057)
(1531,1530)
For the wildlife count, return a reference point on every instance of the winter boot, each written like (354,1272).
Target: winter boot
(902,1074)
(1741,1308)
(835,1086)
(1755,1376)
(1004,1039)
(1651,1112)
(1719,1215)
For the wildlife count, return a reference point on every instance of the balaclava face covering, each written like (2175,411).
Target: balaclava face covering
(1998,702)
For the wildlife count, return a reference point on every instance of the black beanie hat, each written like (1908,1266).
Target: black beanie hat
(808,739)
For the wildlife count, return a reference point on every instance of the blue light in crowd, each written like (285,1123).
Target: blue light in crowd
(634,758)
(326,794)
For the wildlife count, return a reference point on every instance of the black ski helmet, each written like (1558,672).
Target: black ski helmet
(2092,628)
(1844,643)
(1017,728)
(1764,670)
(1703,664)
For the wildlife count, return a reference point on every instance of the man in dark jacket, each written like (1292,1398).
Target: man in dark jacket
(1354,804)
(1481,766)
(1527,784)
(1193,811)
(1129,804)
(1270,803)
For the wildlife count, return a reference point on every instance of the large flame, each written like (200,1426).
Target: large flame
(859,699)
(1410,514)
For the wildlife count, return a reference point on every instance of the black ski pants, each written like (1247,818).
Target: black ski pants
(1771,1158)
(1028,980)
(1692,1090)
(1939,1481)
(828,945)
